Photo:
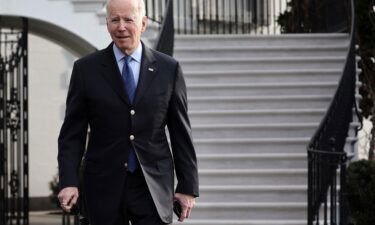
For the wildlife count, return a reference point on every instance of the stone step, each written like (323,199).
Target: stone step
(229,64)
(256,116)
(258,102)
(260,51)
(245,130)
(55,219)
(45,218)
(262,76)
(253,193)
(263,89)
(256,145)
(253,177)
(234,221)
(251,211)
(258,161)
(260,40)
(263,116)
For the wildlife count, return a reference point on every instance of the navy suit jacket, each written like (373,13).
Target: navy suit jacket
(97,99)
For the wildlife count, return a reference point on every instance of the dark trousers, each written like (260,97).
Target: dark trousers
(138,206)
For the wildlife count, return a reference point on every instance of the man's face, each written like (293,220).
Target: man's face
(125,25)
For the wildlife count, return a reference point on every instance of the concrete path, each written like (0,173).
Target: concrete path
(45,218)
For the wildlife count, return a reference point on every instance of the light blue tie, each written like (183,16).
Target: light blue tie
(130,86)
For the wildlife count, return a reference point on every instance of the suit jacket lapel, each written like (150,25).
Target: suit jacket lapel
(147,73)
(112,74)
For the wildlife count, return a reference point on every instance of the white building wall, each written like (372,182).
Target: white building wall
(49,73)
(61,14)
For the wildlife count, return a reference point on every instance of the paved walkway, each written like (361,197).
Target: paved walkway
(45,218)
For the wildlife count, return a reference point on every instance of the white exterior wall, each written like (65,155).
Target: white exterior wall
(49,73)
(60,13)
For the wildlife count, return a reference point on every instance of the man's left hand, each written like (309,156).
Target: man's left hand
(187,203)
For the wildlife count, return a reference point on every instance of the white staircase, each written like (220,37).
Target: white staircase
(255,102)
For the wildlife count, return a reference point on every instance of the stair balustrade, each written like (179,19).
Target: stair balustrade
(228,16)
(326,155)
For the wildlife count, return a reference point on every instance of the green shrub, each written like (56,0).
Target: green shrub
(54,187)
(361,191)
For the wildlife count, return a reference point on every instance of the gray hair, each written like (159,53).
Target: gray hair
(141,8)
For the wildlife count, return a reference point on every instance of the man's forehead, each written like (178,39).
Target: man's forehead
(132,2)
(121,6)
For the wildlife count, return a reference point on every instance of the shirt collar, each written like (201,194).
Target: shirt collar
(137,54)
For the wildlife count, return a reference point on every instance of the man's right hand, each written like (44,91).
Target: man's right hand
(68,198)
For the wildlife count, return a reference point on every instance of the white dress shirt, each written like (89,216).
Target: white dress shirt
(135,63)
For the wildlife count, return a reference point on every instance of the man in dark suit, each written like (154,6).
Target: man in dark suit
(127,94)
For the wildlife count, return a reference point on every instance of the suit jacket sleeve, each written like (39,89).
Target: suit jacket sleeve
(72,138)
(181,139)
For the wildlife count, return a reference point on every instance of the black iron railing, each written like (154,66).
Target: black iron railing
(228,16)
(220,16)
(326,155)
(251,16)
(14,155)
(165,40)
(155,10)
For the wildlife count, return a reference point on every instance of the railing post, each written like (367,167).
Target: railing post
(343,194)
(332,164)
(310,187)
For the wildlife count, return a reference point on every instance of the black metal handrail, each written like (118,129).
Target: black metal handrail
(165,40)
(326,155)
(161,12)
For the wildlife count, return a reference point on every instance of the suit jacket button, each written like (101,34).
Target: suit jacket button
(131,137)
(132,112)
(126,165)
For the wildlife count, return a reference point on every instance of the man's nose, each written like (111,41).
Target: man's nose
(121,25)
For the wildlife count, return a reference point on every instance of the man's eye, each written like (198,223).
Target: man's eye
(115,20)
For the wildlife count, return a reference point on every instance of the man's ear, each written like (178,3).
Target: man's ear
(106,22)
(144,23)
